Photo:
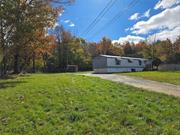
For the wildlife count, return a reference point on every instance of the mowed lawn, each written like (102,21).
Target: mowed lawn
(172,77)
(66,104)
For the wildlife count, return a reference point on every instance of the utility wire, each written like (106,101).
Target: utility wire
(100,16)
(115,18)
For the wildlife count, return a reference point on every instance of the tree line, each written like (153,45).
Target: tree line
(26,45)
(72,50)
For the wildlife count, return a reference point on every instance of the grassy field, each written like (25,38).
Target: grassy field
(164,76)
(65,104)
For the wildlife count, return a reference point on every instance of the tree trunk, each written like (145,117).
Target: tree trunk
(4,66)
(34,63)
(45,57)
(16,63)
(3,47)
(3,63)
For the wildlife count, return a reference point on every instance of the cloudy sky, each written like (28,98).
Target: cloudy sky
(122,20)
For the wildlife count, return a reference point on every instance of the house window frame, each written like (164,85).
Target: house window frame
(140,62)
(129,61)
(118,62)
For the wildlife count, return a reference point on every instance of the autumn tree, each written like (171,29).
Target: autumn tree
(41,48)
(128,49)
(177,50)
(20,20)
(139,49)
(92,49)
(104,46)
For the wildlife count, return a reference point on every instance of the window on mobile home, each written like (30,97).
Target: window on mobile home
(130,61)
(140,62)
(118,62)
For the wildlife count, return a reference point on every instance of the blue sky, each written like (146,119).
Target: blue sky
(131,23)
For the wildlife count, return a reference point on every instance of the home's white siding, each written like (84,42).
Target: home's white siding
(119,64)
(101,70)
(116,70)
(124,63)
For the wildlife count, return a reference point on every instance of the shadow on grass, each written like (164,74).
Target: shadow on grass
(8,77)
(7,84)
(24,75)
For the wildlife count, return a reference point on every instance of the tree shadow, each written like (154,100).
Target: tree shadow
(8,84)
(24,75)
(13,76)
(8,77)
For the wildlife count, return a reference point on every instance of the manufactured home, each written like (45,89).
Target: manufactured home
(112,64)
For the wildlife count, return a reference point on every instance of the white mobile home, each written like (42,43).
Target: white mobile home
(112,64)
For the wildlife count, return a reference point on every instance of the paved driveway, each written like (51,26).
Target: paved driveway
(149,85)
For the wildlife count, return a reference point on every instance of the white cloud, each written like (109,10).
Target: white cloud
(137,16)
(134,16)
(147,13)
(72,24)
(163,4)
(127,29)
(67,21)
(129,38)
(60,14)
(163,35)
(167,19)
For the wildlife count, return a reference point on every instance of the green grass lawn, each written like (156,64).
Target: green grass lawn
(162,76)
(65,104)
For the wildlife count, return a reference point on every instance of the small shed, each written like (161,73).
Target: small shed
(72,68)
(113,64)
